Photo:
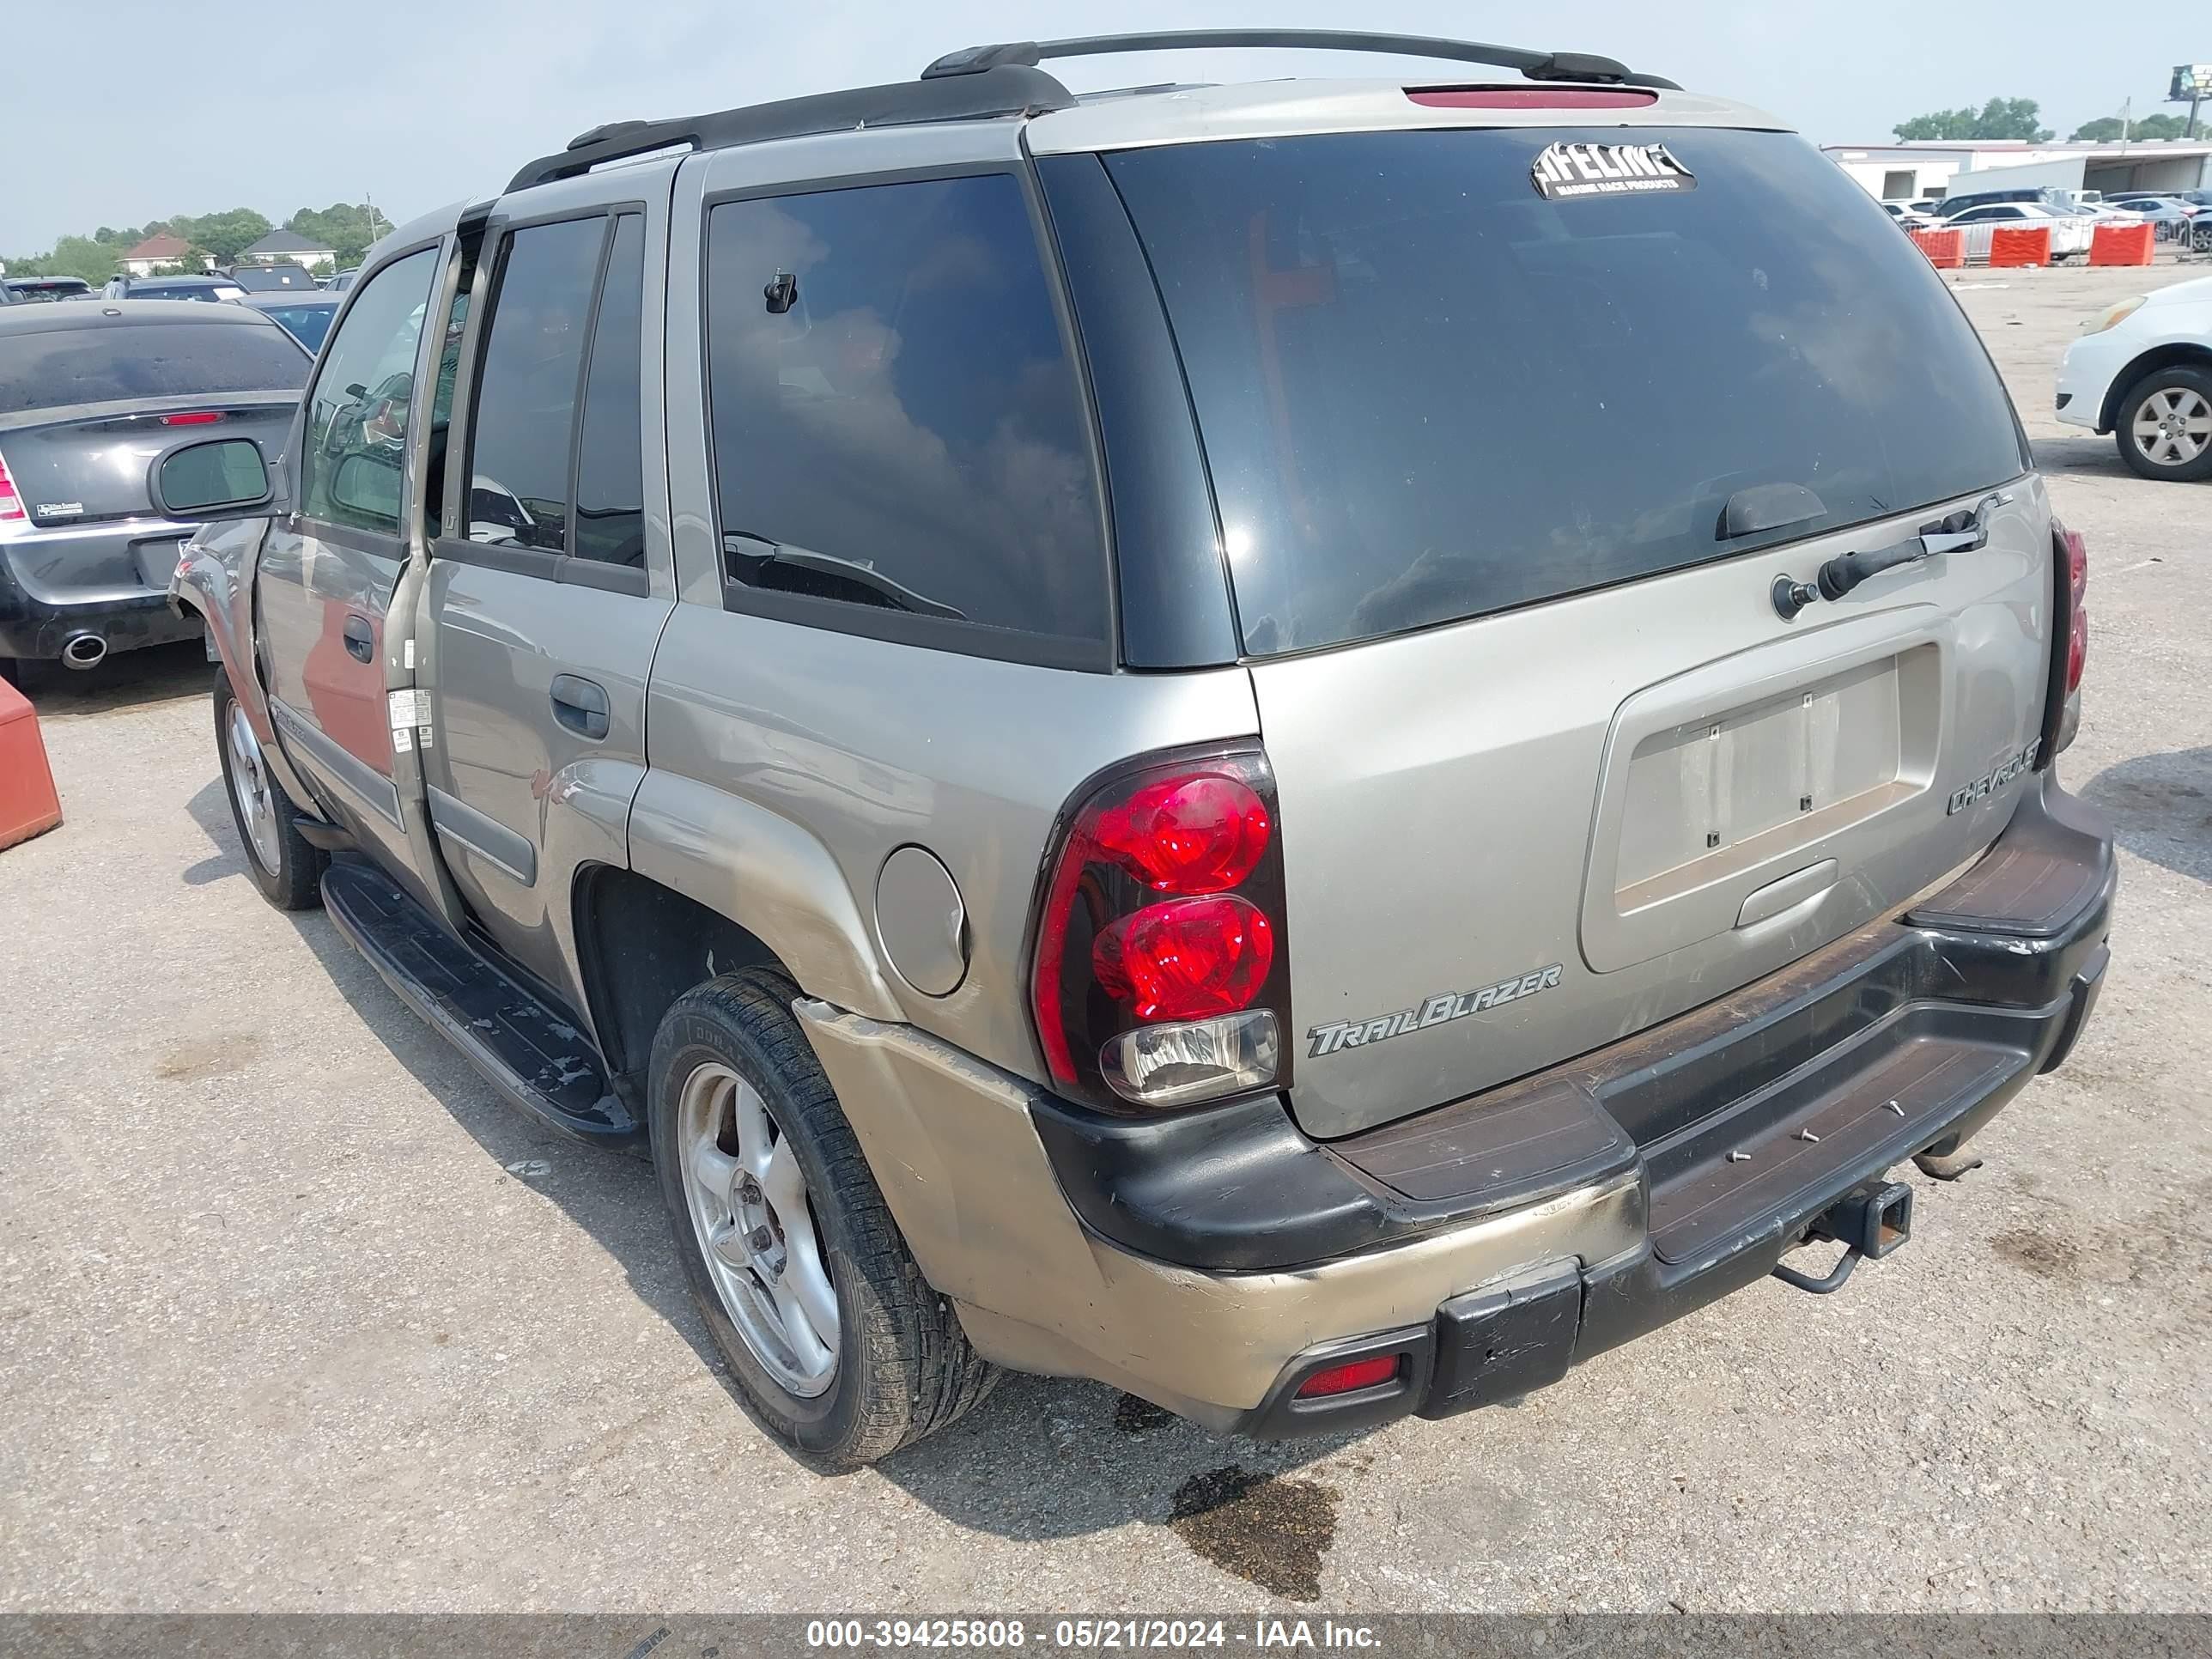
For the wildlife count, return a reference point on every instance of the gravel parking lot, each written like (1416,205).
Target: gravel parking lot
(295,1314)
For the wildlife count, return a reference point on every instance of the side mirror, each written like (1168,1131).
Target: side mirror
(215,477)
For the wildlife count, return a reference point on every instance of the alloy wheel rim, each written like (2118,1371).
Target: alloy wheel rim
(2174,425)
(754,1220)
(249,788)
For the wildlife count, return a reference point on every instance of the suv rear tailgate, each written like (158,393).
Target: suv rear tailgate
(1496,841)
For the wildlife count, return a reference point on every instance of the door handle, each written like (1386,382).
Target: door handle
(359,639)
(580,705)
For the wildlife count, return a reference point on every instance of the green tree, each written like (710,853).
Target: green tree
(2001,117)
(2106,128)
(345,228)
(72,256)
(226,235)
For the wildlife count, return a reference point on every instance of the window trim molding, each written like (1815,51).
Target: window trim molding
(931,633)
(484,292)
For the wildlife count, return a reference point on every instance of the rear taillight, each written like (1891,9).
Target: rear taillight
(2062,714)
(1160,976)
(2077,613)
(11,504)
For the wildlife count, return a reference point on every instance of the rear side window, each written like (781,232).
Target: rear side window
(525,406)
(1428,391)
(610,465)
(57,368)
(897,426)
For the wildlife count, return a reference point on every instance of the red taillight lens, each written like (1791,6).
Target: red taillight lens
(1188,835)
(1350,1378)
(11,504)
(1164,1001)
(198,417)
(2077,614)
(1187,958)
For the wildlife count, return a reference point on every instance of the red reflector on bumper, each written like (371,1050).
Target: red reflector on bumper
(1350,1378)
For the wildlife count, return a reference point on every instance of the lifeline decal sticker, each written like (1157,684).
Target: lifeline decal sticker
(1437,1009)
(1565,171)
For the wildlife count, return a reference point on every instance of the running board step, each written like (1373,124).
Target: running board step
(530,1052)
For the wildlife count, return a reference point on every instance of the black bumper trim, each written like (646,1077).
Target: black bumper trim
(1992,968)
(36,629)
(1718,1223)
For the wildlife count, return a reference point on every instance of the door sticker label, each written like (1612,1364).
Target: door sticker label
(409,709)
(1566,171)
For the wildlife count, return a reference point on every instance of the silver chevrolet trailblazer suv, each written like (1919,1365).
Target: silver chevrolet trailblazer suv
(1314,748)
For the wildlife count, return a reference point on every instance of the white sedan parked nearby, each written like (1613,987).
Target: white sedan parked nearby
(2143,372)
(2070,232)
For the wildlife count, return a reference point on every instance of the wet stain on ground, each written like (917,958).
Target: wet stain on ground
(210,1057)
(1135,1416)
(1266,1531)
(2042,1253)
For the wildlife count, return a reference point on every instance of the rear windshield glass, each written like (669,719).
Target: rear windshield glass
(64,366)
(1428,390)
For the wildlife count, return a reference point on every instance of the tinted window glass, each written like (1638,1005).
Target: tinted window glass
(526,410)
(356,440)
(899,426)
(1427,392)
(306,324)
(63,366)
(610,470)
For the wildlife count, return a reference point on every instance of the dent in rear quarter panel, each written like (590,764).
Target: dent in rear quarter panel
(787,763)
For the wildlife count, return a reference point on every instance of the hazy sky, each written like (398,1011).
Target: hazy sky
(181,108)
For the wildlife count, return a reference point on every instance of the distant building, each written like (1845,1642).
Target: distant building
(285,248)
(157,253)
(1940,166)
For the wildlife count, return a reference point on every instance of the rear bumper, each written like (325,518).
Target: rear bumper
(1213,1261)
(109,579)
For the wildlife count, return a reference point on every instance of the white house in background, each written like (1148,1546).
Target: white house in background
(285,248)
(1933,166)
(158,253)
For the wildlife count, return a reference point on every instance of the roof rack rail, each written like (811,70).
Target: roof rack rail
(1536,65)
(1010,88)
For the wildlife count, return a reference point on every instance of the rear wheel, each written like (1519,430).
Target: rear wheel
(2165,427)
(283,866)
(841,1347)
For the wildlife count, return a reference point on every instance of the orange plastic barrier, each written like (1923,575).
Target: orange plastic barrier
(2011,247)
(1946,249)
(28,805)
(2122,244)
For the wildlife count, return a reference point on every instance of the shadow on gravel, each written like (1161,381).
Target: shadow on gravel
(1040,1458)
(2161,808)
(128,679)
(2086,454)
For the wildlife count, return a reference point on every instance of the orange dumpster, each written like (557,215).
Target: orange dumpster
(2012,247)
(2122,244)
(28,805)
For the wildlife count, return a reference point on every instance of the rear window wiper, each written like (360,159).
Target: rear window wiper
(874,588)
(1955,532)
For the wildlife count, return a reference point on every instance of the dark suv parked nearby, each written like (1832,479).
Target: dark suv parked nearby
(1313,747)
